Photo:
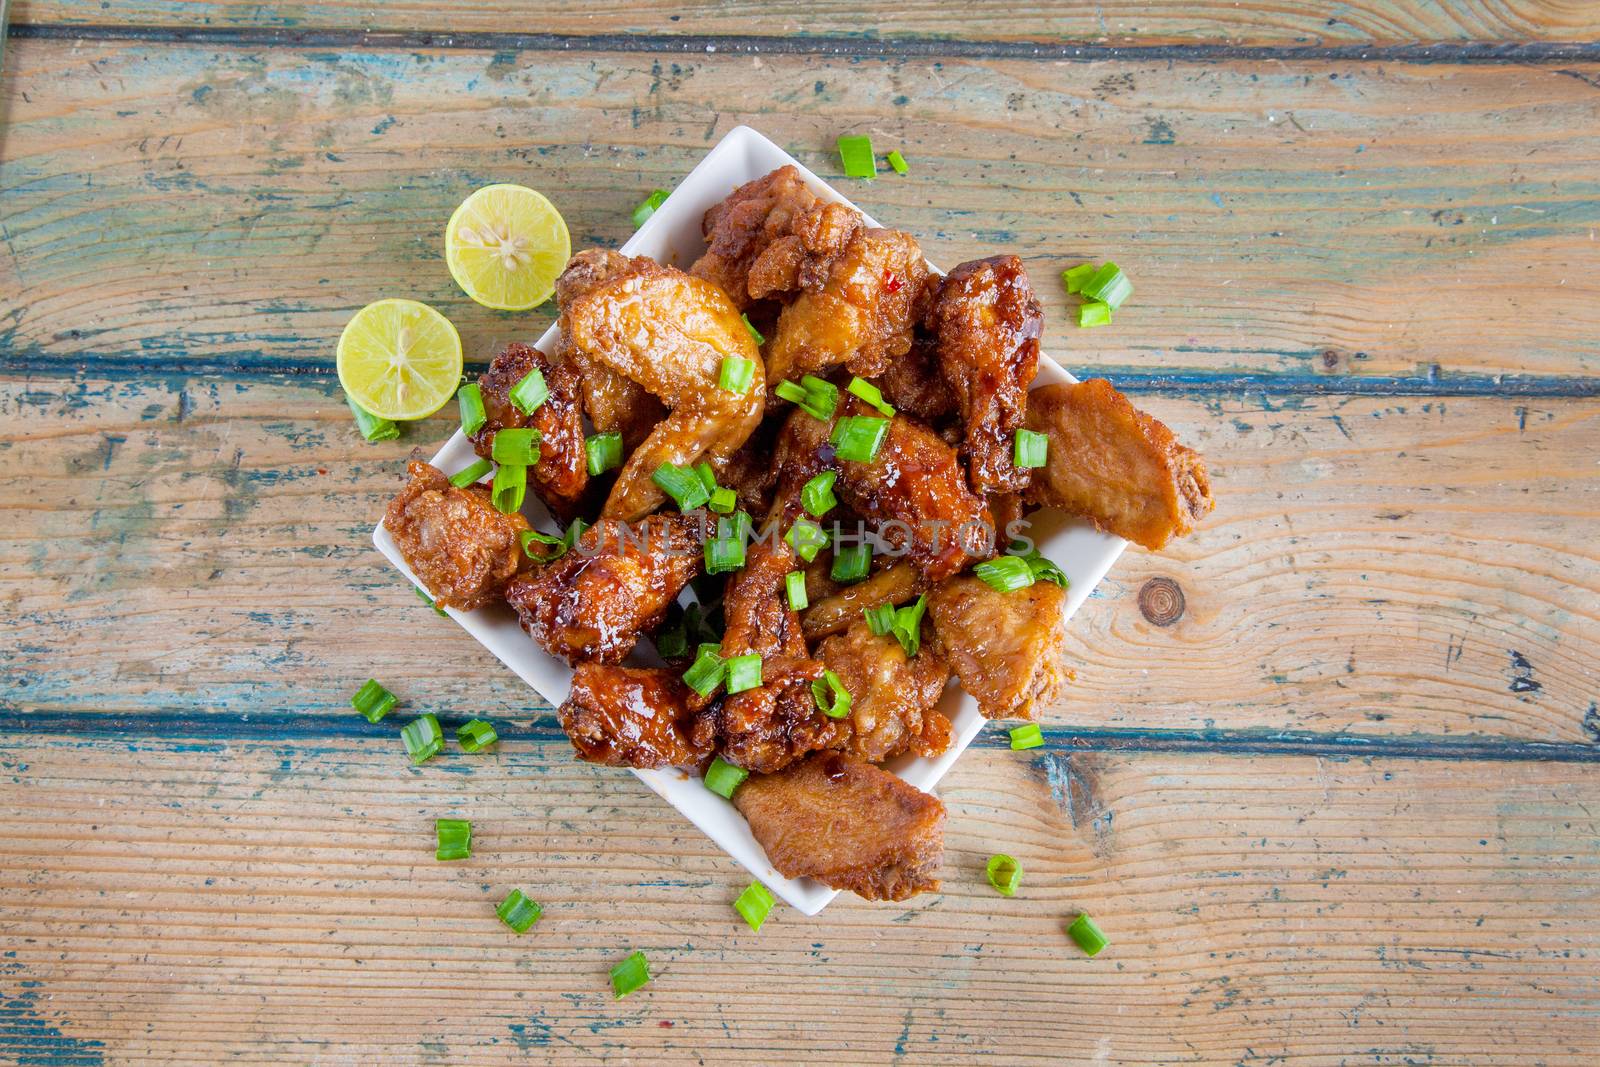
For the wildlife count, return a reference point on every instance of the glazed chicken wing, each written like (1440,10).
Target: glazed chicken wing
(897,584)
(914,384)
(614,585)
(988,323)
(741,228)
(669,333)
(612,402)
(634,717)
(561,475)
(1115,465)
(1005,647)
(453,539)
(892,696)
(847,824)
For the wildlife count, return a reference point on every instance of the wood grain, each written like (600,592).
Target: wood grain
(1377,566)
(192,902)
(1285,22)
(1325,222)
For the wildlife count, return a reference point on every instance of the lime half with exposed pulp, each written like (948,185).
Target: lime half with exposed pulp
(506,245)
(399,359)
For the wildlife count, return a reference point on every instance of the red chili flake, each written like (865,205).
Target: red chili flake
(892,282)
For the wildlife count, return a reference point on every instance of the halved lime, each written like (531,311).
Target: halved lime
(399,359)
(505,245)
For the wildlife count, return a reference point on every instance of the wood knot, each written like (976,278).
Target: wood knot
(1332,361)
(1161,601)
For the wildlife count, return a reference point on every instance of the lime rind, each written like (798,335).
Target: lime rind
(505,246)
(399,359)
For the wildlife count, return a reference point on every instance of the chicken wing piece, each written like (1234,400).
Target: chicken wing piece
(612,402)
(988,323)
(741,229)
(634,717)
(1113,464)
(833,611)
(669,333)
(614,585)
(1005,647)
(847,824)
(561,476)
(767,728)
(453,539)
(892,696)
(914,384)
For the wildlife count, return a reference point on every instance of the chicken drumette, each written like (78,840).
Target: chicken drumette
(453,539)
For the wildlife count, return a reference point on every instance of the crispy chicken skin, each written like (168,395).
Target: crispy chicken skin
(612,402)
(740,229)
(669,333)
(1005,647)
(561,475)
(595,602)
(633,717)
(988,323)
(453,539)
(892,696)
(1115,465)
(914,384)
(847,824)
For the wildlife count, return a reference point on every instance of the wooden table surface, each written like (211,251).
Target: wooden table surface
(1346,809)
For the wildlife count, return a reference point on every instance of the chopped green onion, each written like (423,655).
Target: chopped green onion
(898,162)
(455,839)
(1005,874)
(723,778)
(792,391)
(707,476)
(907,625)
(794,589)
(880,619)
(575,530)
(1094,313)
(1025,737)
(755,334)
(372,427)
(857,438)
(832,698)
(518,912)
(1029,449)
(428,600)
(1005,574)
(1044,570)
(1074,277)
(723,501)
(682,484)
(630,974)
(603,452)
(707,670)
(1086,934)
(515,446)
(852,564)
(865,390)
(672,641)
(1108,285)
(423,738)
(822,397)
(754,904)
(529,393)
(725,552)
(642,213)
(529,538)
(469,399)
(373,701)
(736,374)
(744,672)
(475,736)
(471,475)
(806,538)
(817,496)
(510,486)
(856,155)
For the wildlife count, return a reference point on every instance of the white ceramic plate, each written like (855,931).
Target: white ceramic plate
(672,235)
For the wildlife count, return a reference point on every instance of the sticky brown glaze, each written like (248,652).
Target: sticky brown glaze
(1005,647)
(633,717)
(453,539)
(892,696)
(561,476)
(1115,465)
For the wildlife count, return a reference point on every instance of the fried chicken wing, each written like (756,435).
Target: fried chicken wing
(561,476)
(614,585)
(914,384)
(892,696)
(1005,647)
(669,333)
(847,824)
(453,539)
(740,228)
(988,323)
(612,402)
(1115,465)
(634,717)
(898,583)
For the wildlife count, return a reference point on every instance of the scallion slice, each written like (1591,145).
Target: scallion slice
(707,476)
(1085,933)
(518,912)
(817,495)
(428,600)
(475,735)
(515,446)
(630,974)
(1005,574)
(575,531)
(855,153)
(755,334)
(794,590)
(454,839)
(754,904)
(898,162)
(744,672)
(857,438)
(373,428)
(423,738)
(602,452)
(642,213)
(832,698)
(880,619)
(806,538)
(529,393)
(1026,736)
(471,475)
(1108,285)
(725,552)
(1044,570)
(1094,313)
(373,701)
(865,390)
(736,373)
(1029,449)
(723,778)
(723,501)
(907,625)
(707,670)
(851,564)
(469,399)
(510,486)
(683,485)
(791,391)
(1074,277)
(822,396)
(1004,873)
(557,545)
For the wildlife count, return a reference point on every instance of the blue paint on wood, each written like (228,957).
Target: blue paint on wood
(28,1038)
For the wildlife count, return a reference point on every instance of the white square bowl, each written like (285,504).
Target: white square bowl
(672,235)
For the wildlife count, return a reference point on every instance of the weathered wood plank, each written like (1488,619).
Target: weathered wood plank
(177,902)
(1329,223)
(1380,566)
(1287,22)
